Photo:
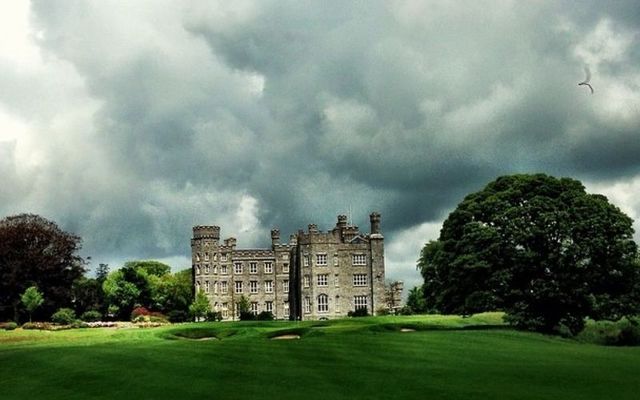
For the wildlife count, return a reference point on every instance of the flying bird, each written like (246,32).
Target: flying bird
(587,79)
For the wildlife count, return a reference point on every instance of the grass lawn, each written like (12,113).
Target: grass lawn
(363,358)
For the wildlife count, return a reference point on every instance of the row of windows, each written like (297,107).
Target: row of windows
(323,280)
(222,287)
(223,257)
(268,306)
(323,303)
(238,268)
(321,259)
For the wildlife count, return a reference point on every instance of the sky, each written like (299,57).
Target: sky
(128,122)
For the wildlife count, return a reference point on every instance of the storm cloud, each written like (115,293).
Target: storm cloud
(129,122)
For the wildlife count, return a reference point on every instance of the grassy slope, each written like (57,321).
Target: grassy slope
(351,359)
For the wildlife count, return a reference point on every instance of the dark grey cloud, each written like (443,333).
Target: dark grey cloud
(145,118)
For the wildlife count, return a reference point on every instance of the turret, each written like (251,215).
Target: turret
(374,217)
(342,222)
(206,232)
(275,236)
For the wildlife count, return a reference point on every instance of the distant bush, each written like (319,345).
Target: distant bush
(265,316)
(139,311)
(214,316)
(37,325)
(64,316)
(625,332)
(8,326)
(91,316)
(359,312)
(247,316)
(178,316)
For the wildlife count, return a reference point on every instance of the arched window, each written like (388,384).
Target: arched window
(323,303)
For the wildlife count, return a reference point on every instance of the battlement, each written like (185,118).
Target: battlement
(206,232)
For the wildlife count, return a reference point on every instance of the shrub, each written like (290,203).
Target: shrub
(178,316)
(265,316)
(91,316)
(37,325)
(359,312)
(138,311)
(214,316)
(8,326)
(247,316)
(64,316)
(158,317)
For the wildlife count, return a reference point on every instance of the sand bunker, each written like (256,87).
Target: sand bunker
(407,330)
(285,337)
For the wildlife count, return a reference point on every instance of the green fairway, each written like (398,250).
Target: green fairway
(365,358)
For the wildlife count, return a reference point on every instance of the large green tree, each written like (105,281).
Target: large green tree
(541,249)
(36,252)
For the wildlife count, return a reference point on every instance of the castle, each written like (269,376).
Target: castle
(315,275)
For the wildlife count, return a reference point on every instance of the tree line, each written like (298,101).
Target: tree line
(41,272)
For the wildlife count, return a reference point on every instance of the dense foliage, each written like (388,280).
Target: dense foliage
(538,247)
(36,252)
(148,284)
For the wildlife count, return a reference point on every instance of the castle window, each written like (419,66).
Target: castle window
(335,260)
(254,307)
(215,287)
(268,306)
(215,269)
(253,287)
(206,286)
(215,257)
(224,287)
(285,256)
(323,280)
(306,281)
(307,305)
(268,286)
(223,270)
(253,268)
(285,268)
(321,259)
(197,269)
(198,257)
(305,260)
(337,280)
(237,268)
(268,267)
(337,305)
(238,286)
(359,259)
(225,310)
(223,257)
(323,303)
(359,279)
(285,286)
(206,268)
(286,308)
(359,302)
(206,256)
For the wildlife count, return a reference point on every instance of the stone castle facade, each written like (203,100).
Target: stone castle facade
(314,275)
